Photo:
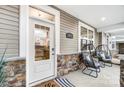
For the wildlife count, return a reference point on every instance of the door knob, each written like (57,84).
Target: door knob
(53,51)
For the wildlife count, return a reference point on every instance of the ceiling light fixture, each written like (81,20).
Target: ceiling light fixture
(103,18)
(113,37)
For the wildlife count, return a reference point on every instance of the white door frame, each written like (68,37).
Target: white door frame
(24,31)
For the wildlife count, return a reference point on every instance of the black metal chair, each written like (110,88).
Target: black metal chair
(90,64)
(104,55)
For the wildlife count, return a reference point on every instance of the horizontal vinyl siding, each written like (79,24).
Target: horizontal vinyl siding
(100,38)
(96,38)
(8,17)
(68,24)
(9,30)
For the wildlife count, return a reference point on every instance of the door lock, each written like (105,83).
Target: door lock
(53,51)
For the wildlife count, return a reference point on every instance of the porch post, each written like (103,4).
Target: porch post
(23,28)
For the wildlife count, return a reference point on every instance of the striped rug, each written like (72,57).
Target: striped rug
(63,82)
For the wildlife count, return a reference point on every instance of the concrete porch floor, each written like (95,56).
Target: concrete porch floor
(108,77)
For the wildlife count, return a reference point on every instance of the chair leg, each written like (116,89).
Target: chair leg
(98,70)
(91,72)
(103,64)
(111,64)
(96,74)
(93,75)
(84,70)
(108,65)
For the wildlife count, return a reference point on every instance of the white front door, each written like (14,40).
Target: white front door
(41,44)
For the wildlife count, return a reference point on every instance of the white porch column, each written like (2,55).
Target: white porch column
(23,29)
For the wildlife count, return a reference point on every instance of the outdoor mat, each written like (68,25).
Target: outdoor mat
(57,82)
(50,83)
(64,82)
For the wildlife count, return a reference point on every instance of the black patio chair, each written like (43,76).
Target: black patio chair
(90,64)
(104,55)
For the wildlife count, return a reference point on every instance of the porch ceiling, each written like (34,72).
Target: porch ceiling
(93,14)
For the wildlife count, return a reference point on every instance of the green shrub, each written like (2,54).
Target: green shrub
(2,73)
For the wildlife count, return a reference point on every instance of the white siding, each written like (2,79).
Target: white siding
(68,24)
(9,30)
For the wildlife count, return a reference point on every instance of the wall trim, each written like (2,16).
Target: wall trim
(23,21)
(69,53)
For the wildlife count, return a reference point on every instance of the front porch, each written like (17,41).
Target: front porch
(108,77)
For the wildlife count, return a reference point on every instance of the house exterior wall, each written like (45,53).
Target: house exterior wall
(104,39)
(68,60)
(121,48)
(68,47)
(9,30)
(96,39)
(15,73)
(68,24)
(14,66)
(115,52)
(99,38)
(122,73)
(68,63)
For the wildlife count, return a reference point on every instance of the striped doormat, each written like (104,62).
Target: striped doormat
(63,82)
(57,82)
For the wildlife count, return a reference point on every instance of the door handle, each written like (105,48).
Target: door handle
(53,51)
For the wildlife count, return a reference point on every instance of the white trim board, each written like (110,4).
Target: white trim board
(24,22)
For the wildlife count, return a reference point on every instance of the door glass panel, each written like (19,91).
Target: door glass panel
(83,32)
(42,43)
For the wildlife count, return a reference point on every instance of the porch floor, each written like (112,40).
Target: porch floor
(108,77)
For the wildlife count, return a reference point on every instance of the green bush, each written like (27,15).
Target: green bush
(2,73)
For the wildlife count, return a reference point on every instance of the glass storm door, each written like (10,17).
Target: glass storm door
(42,46)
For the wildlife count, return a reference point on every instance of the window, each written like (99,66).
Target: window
(41,14)
(83,32)
(90,34)
(86,36)
(113,45)
(91,47)
(83,43)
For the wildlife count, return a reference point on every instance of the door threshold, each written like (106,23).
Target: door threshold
(41,81)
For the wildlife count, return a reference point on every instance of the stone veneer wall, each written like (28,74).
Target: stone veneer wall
(121,48)
(15,73)
(68,63)
(122,73)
